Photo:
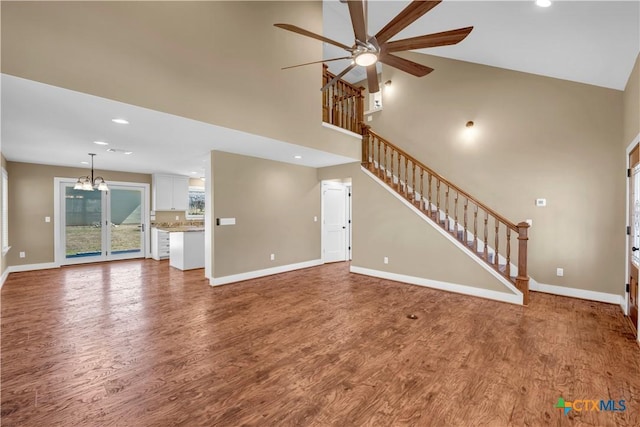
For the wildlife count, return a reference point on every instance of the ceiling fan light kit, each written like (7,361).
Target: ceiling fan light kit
(367,50)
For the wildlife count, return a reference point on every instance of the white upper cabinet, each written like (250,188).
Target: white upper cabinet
(170,192)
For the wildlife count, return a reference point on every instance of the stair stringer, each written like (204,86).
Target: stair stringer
(533,284)
(517,294)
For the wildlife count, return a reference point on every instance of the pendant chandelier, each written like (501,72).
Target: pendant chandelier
(90,183)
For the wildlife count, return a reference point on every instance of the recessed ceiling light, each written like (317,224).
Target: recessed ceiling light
(100,142)
(128,152)
(111,150)
(297,157)
(120,121)
(194,173)
(84,163)
(543,3)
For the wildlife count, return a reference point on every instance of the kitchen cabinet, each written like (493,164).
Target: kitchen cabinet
(170,192)
(159,244)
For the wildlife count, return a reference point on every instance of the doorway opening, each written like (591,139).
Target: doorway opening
(93,226)
(336,221)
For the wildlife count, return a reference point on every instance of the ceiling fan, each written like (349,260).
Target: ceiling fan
(367,50)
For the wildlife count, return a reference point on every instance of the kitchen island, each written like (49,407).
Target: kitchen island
(186,246)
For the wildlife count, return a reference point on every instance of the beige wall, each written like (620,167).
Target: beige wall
(384,227)
(631,102)
(31,199)
(217,62)
(537,137)
(274,204)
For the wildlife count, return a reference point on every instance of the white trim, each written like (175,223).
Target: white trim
(443,286)
(4,276)
(32,267)
(439,229)
(625,301)
(339,129)
(576,293)
(261,273)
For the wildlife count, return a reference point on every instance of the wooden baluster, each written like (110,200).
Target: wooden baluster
(413,181)
(406,176)
(393,152)
(421,189)
(379,143)
(446,209)
(384,156)
(486,235)
(507,269)
(495,249)
(522,280)
(437,213)
(475,228)
(399,188)
(429,176)
(466,232)
(455,216)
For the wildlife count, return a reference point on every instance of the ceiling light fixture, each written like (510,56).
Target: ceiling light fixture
(128,152)
(90,183)
(297,157)
(469,124)
(365,59)
(120,121)
(543,3)
(100,142)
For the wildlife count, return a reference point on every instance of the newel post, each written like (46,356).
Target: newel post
(522,281)
(365,144)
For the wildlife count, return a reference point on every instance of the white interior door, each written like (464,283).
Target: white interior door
(334,221)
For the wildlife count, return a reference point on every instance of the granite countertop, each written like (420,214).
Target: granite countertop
(180,228)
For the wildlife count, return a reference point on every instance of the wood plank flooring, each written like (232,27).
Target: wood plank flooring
(137,343)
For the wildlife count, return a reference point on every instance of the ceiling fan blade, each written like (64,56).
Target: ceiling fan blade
(338,77)
(356,11)
(445,38)
(372,79)
(317,62)
(405,65)
(304,32)
(411,13)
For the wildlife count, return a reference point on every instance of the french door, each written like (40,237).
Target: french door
(634,240)
(101,225)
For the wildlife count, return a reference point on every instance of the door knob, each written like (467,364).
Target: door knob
(633,249)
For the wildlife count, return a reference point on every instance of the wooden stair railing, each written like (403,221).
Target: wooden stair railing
(453,209)
(342,103)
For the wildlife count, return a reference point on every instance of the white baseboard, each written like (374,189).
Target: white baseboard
(215,281)
(4,276)
(577,293)
(31,267)
(444,286)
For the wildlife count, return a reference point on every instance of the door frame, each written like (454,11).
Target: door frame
(59,259)
(625,301)
(348,191)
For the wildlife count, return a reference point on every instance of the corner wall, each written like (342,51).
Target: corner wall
(631,109)
(274,205)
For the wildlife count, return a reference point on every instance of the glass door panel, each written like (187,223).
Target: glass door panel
(83,223)
(126,223)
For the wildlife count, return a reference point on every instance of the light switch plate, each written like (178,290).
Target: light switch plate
(541,202)
(47,219)
(226,221)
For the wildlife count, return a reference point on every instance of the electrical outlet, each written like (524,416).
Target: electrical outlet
(23,255)
(369,118)
(47,219)
(315,219)
(541,202)
(273,257)
(559,272)
(177,218)
(529,221)
(386,260)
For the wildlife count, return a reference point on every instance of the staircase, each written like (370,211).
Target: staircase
(482,231)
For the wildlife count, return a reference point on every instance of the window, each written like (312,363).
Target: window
(5,212)
(196,203)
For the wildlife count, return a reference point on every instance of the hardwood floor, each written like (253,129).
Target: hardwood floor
(137,343)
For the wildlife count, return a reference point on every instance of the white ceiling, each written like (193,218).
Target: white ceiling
(50,125)
(593,42)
